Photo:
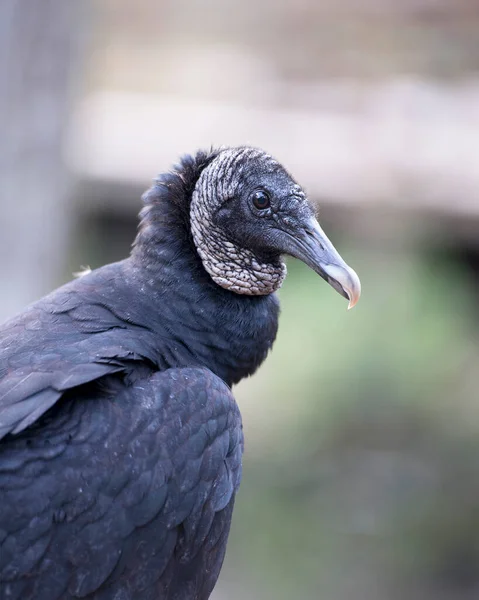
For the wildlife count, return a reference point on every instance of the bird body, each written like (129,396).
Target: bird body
(122,442)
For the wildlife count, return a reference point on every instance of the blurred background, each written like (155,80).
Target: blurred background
(361,474)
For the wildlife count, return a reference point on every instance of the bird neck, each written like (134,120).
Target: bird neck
(196,321)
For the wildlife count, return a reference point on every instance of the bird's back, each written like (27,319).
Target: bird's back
(122,492)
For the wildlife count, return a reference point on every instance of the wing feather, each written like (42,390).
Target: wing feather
(136,493)
(63,341)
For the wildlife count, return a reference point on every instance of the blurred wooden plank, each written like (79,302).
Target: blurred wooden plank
(400,144)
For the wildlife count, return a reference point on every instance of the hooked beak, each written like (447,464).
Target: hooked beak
(314,248)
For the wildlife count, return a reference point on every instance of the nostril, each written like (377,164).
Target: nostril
(310,234)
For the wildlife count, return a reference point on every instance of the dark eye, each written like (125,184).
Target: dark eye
(261,199)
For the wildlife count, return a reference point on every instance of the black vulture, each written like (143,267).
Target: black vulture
(121,442)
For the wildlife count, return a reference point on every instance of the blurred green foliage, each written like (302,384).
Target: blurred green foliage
(360,477)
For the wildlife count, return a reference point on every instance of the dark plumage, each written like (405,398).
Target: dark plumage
(122,442)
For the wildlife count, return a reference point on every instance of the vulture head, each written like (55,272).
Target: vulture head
(247,212)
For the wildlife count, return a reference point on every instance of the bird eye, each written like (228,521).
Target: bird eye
(261,199)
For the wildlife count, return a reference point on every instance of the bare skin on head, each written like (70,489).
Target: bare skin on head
(241,243)
(231,266)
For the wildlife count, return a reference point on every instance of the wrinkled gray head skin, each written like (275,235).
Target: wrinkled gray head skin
(246,212)
(231,235)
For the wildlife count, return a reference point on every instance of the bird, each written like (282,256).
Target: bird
(120,439)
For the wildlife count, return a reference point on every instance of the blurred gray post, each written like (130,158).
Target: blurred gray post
(40,48)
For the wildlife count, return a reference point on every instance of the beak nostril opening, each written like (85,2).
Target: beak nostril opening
(313,237)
